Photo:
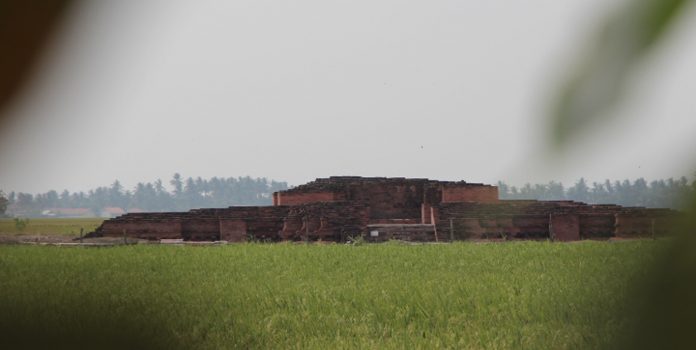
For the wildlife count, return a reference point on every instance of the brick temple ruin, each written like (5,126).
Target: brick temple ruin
(380,209)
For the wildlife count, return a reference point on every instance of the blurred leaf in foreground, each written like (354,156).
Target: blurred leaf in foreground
(597,83)
(664,309)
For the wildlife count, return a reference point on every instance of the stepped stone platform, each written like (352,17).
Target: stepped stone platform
(378,209)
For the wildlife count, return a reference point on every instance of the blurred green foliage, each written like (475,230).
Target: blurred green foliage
(599,80)
(663,303)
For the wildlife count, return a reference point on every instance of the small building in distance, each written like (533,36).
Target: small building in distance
(68,212)
(110,212)
(379,209)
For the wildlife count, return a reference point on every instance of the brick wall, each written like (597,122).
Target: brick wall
(233,230)
(200,229)
(334,208)
(282,198)
(390,200)
(469,193)
(597,225)
(564,227)
(141,228)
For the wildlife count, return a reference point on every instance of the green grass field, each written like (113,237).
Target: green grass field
(50,226)
(514,295)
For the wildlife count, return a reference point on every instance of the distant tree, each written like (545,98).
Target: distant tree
(139,197)
(527,192)
(163,198)
(24,200)
(51,199)
(65,201)
(609,189)
(640,192)
(503,190)
(116,196)
(556,191)
(668,193)
(3,204)
(514,193)
(178,184)
(79,200)
(98,199)
(191,193)
(579,192)
(599,193)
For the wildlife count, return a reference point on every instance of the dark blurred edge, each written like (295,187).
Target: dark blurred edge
(661,307)
(85,324)
(663,314)
(25,28)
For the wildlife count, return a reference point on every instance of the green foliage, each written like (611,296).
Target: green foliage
(519,295)
(598,82)
(356,240)
(666,311)
(3,204)
(20,224)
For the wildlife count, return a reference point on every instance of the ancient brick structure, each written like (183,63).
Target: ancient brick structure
(379,209)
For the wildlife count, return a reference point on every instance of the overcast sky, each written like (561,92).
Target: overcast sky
(453,90)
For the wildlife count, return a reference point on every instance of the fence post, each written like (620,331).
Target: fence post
(81,231)
(125,241)
(451,230)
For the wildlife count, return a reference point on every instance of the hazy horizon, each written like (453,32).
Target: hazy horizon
(446,90)
(168,187)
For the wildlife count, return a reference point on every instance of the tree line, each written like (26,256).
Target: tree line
(192,193)
(668,193)
(185,194)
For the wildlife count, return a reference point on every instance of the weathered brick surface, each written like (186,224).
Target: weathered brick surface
(597,225)
(390,198)
(325,221)
(642,222)
(233,230)
(472,193)
(200,228)
(564,227)
(306,198)
(145,229)
(336,208)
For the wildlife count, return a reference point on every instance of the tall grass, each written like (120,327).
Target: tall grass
(462,295)
(50,226)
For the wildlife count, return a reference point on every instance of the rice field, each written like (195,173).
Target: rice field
(528,295)
(50,226)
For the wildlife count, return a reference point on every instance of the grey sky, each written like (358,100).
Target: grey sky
(138,90)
